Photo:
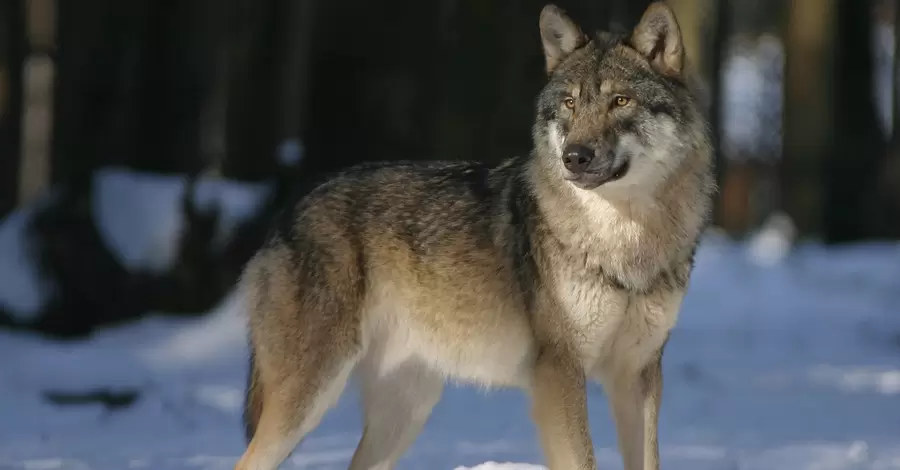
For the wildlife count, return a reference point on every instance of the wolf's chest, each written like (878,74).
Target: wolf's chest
(612,326)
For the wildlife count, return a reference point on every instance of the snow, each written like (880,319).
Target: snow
(139,214)
(22,291)
(290,152)
(139,217)
(772,242)
(791,364)
(751,107)
(503,466)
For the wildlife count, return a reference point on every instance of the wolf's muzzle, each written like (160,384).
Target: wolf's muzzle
(588,170)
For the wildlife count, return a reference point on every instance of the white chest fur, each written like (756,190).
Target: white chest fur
(614,330)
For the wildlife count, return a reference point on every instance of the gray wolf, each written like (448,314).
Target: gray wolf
(545,271)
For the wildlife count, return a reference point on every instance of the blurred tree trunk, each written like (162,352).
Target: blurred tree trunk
(808,109)
(213,136)
(92,94)
(890,181)
(895,82)
(247,93)
(720,30)
(297,25)
(175,65)
(487,83)
(852,206)
(38,78)
(251,118)
(280,40)
(375,85)
(719,38)
(12,60)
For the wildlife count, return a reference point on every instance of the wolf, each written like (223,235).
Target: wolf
(542,272)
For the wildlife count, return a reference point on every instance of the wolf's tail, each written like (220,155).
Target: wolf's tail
(253,401)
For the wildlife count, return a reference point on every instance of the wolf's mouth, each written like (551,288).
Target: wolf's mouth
(620,173)
(594,179)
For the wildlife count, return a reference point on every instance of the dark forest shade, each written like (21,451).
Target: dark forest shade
(173,70)
(12,60)
(852,208)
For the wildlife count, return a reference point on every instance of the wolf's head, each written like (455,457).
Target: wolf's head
(616,115)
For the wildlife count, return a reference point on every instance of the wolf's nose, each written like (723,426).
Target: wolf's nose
(576,158)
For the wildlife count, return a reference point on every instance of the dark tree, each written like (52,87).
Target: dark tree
(171,78)
(93,88)
(890,181)
(374,72)
(721,26)
(251,133)
(851,170)
(895,101)
(808,109)
(12,59)
(268,66)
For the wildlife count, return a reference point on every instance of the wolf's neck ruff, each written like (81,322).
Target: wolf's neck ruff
(633,238)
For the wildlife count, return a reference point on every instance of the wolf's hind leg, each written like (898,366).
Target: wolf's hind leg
(291,408)
(303,300)
(397,402)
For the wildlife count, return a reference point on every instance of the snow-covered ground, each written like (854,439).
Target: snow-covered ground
(792,365)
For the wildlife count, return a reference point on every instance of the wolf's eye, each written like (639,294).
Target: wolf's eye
(569,102)
(621,101)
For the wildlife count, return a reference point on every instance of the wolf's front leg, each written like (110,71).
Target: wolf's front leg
(634,398)
(559,409)
(651,384)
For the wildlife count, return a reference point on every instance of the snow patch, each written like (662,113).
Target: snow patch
(22,290)
(225,398)
(751,105)
(43,464)
(814,456)
(883,380)
(140,219)
(291,152)
(321,458)
(773,241)
(503,466)
(221,332)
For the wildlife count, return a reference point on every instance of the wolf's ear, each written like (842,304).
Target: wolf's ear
(658,38)
(559,34)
